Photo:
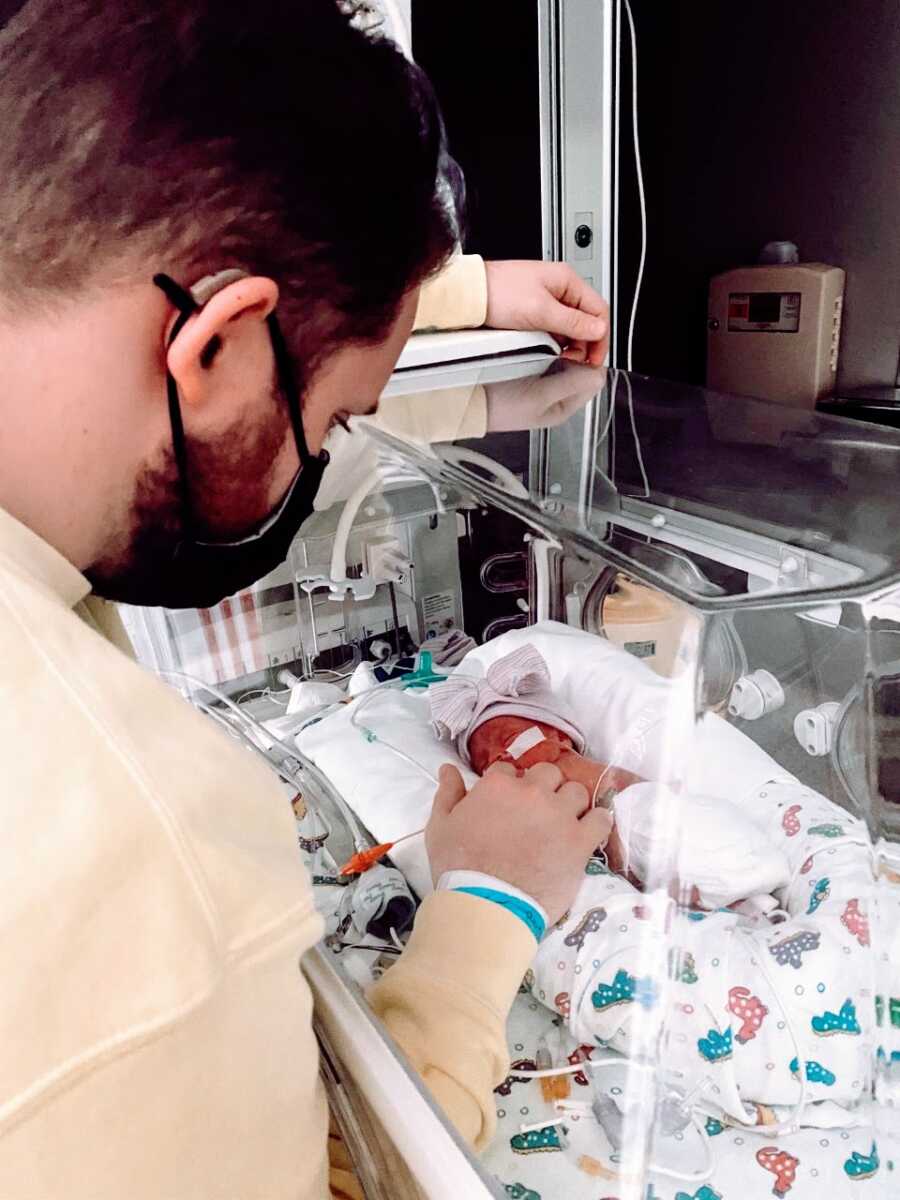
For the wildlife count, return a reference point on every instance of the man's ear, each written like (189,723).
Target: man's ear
(227,313)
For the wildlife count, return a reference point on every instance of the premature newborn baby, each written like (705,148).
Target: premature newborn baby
(705,849)
(754,1010)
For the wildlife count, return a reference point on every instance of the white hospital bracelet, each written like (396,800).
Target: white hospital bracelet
(451,880)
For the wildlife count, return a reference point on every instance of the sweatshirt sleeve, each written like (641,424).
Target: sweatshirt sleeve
(447,999)
(445,415)
(456,298)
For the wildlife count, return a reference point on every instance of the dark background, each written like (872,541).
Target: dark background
(762,121)
(482,57)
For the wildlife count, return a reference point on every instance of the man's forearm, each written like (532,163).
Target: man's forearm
(447,999)
(455,298)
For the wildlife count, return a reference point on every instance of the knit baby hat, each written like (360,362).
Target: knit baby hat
(517,685)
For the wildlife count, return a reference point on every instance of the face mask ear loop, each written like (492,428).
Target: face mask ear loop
(285,368)
(186,306)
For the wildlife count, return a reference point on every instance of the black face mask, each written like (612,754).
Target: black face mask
(198,573)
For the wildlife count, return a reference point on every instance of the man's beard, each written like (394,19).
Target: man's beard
(228,482)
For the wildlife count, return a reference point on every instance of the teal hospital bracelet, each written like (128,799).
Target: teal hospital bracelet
(526,912)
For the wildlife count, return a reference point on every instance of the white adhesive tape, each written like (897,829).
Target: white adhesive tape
(527,740)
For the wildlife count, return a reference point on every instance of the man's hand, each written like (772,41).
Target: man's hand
(551,297)
(535,832)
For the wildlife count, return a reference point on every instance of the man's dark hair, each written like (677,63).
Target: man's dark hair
(188,136)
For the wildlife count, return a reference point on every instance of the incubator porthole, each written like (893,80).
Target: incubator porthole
(770,1066)
(578,969)
(820,987)
(738,1141)
(615,1091)
(799,989)
(845,1136)
(623,929)
(523,1112)
(679,1137)
(715,962)
(543,995)
(814,1173)
(519,1046)
(596,962)
(781,1025)
(824,1142)
(501,1113)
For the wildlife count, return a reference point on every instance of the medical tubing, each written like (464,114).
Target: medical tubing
(370,734)
(599,1064)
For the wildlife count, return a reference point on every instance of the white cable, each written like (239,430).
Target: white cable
(375,480)
(502,476)
(640,181)
(637,440)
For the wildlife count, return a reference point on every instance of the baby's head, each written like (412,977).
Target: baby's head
(513,715)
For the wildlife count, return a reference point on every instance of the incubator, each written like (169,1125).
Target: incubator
(712,585)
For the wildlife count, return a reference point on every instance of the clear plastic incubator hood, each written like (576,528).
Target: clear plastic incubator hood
(713,586)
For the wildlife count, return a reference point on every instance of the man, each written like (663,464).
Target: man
(175,175)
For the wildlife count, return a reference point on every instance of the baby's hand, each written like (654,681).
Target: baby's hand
(535,832)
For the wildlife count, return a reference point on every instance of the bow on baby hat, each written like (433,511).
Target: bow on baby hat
(516,685)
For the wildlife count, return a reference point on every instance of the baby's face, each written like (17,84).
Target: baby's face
(488,744)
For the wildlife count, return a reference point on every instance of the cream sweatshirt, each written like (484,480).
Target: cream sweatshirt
(157,1042)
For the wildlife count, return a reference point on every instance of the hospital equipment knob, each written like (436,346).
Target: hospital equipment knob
(754,695)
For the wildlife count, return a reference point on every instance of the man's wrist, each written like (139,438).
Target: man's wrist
(498,891)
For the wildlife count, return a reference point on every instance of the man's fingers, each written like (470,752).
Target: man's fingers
(575,324)
(545,775)
(574,796)
(502,768)
(451,789)
(576,351)
(596,826)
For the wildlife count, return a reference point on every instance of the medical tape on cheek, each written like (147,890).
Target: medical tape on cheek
(527,740)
